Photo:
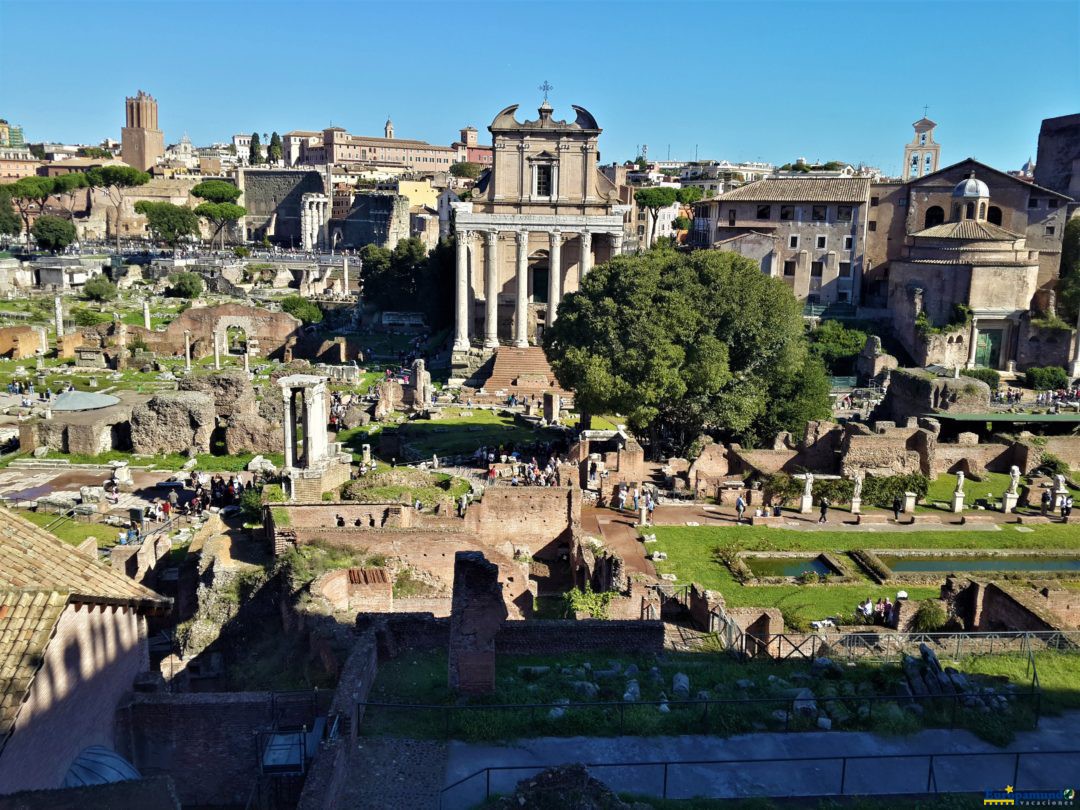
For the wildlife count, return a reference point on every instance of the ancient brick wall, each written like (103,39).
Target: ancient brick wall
(1042,347)
(1063,603)
(376,218)
(273,201)
(589,635)
(979,457)
(271,330)
(89,665)
(325,515)
(538,518)
(22,342)
(138,562)
(1064,447)
(206,742)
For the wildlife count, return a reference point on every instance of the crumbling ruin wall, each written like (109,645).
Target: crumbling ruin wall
(477,614)
(268,333)
(22,342)
(173,421)
(973,458)
(913,392)
(887,449)
(992,607)
(538,518)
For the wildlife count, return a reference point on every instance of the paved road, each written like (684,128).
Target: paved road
(900,764)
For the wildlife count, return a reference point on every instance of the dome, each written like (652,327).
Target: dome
(970,187)
(97,765)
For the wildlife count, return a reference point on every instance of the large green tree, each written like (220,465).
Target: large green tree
(28,195)
(99,288)
(685,343)
(652,200)
(53,233)
(275,152)
(167,222)
(689,195)
(465,169)
(9,220)
(300,307)
(185,284)
(1069,273)
(67,187)
(219,208)
(115,180)
(255,150)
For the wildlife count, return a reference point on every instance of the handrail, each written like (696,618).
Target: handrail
(932,786)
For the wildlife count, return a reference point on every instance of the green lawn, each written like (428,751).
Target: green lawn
(71,531)
(455,434)
(172,461)
(420,679)
(690,557)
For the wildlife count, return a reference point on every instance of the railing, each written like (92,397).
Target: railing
(929,785)
(857,644)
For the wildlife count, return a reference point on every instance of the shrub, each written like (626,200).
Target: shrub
(241,252)
(837,490)
(251,503)
(880,490)
(273,493)
(1047,378)
(986,375)
(588,601)
(89,317)
(99,288)
(809,578)
(1053,465)
(53,233)
(782,486)
(929,617)
(185,285)
(302,309)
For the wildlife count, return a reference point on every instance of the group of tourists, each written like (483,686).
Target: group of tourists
(1062,396)
(1065,505)
(337,410)
(884,612)
(1010,396)
(634,499)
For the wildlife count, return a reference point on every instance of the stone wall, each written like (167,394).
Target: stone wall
(22,342)
(972,458)
(273,202)
(139,562)
(539,518)
(587,635)
(375,218)
(887,449)
(268,333)
(477,613)
(913,392)
(1043,347)
(990,607)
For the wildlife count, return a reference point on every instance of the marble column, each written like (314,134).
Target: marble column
(345,275)
(187,350)
(616,244)
(974,342)
(461,316)
(217,353)
(58,313)
(554,276)
(146,314)
(521,312)
(287,422)
(586,256)
(491,269)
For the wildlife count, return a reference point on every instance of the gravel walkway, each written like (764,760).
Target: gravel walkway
(386,772)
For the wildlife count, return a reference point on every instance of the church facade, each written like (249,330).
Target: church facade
(540,218)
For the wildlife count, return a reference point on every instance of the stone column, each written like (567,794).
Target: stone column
(1074,366)
(247,363)
(491,316)
(187,350)
(616,244)
(554,276)
(461,316)
(345,275)
(146,314)
(974,342)
(217,353)
(58,312)
(287,422)
(586,256)
(521,312)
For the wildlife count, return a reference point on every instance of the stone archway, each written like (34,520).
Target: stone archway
(236,340)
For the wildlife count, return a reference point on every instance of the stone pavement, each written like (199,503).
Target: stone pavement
(385,772)
(619,533)
(899,764)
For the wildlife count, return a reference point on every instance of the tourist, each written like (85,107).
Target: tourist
(418,505)
(340,521)
(1046,500)
(166,509)
(888,612)
(1066,507)
(824,511)
(896,507)
(637,499)
(740,508)
(879,612)
(650,506)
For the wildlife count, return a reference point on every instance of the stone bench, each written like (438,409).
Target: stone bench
(767,520)
(871,518)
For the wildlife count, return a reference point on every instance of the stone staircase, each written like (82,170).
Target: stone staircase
(524,372)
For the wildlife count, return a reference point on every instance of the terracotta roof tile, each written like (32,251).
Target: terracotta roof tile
(969,229)
(801,189)
(25,629)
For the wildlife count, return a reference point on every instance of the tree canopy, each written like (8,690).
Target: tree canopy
(9,220)
(28,194)
(94,152)
(275,152)
(255,150)
(66,186)
(837,346)
(653,199)
(116,176)
(465,169)
(99,288)
(185,285)
(1069,286)
(689,195)
(686,343)
(219,215)
(301,308)
(216,191)
(53,233)
(410,278)
(167,222)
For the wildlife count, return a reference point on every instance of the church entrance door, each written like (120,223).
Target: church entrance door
(988,349)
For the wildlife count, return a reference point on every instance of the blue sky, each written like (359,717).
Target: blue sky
(738,81)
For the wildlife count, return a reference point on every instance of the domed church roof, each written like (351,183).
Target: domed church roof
(970,187)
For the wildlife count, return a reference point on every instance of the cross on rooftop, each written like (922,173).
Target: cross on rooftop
(545,88)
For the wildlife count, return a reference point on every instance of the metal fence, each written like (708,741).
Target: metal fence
(871,645)
(916,783)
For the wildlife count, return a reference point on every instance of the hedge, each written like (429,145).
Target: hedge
(1047,378)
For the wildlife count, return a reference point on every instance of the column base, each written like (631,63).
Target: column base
(491,343)
(521,344)
(461,344)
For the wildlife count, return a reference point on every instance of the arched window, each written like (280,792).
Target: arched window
(993,215)
(982,210)
(969,212)
(935,215)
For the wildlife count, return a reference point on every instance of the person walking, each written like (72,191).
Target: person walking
(896,507)
(824,510)
(740,508)
(1047,499)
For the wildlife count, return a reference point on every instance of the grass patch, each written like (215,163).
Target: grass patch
(456,434)
(71,531)
(171,461)
(692,557)
(419,679)
(310,561)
